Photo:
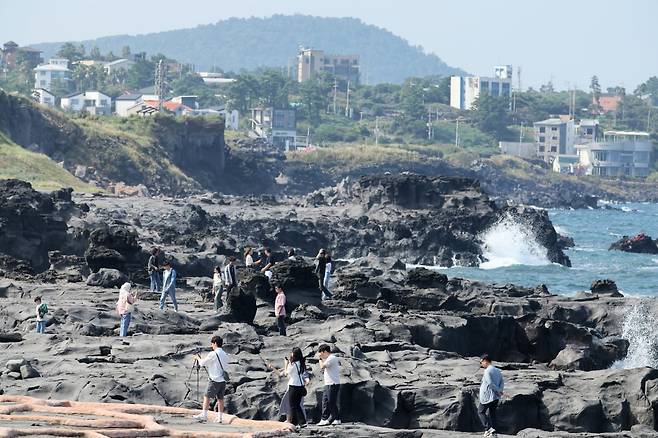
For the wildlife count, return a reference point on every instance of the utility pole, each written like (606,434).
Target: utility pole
(347,105)
(430,128)
(376,131)
(159,83)
(335,92)
(457,133)
(521,133)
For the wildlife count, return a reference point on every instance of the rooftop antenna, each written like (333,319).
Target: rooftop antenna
(518,77)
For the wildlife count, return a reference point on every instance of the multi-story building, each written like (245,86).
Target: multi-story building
(10,53)
(44,97)
(464,90)
(618,153)
(277,126)
(587,130)
(310,63)
(93,102)
(56,71)
(554,137)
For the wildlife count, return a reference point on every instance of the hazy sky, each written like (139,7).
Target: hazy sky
(564,40)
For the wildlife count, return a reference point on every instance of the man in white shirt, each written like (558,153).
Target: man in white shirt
(216,363)
(331,367)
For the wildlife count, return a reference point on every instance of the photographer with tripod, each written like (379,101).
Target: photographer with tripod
(216,363)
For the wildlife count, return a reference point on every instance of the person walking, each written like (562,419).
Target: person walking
(216,363)
(248,256)
(327,273)
(491,391)
(40,310)
(169,286)
(331,367)
(295,367)
(280,309)
(153,269)
(230,276)
(320,270)
(125,307)
(218,287)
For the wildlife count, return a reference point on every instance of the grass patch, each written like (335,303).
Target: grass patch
(37,169)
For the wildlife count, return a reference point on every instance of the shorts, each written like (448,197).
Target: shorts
(216,390)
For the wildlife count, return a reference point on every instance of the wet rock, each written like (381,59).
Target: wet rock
(640,243)
(605,287)
(424,278)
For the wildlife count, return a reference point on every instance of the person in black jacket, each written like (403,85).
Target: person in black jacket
(320,270)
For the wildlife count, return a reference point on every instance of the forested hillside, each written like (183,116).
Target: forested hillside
(236,44)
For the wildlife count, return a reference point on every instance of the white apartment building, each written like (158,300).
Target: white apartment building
(93,102)
(464,90)
(619,153)
(55,71)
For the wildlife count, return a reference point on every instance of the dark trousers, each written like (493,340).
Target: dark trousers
(487,413)
(281,323)
(330,402)
(325,292)
(295,394)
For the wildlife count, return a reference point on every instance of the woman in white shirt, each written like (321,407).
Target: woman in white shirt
(295,368)
(248,258)
(217,287)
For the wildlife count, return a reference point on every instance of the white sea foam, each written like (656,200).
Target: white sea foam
(561,230)
(510,242)
(639,329)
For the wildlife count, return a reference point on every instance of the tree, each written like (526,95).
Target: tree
(314,95)
(649,89)
(595,87)
(412,101)
(547,88)
(633,113)
(243,92)
(274,88)
(491,115)
(125,52)
(71,52)
(95,54)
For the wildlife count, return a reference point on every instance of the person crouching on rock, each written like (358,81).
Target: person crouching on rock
(216,363)
(125,308)
(153,269)
(169,286)
(491,391)
(280,309)
(41,310)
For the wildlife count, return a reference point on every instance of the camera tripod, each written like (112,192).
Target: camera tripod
(195,367)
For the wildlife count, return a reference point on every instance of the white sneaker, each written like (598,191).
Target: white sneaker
(201,417)
(218,419)
(336,422)
(323,423)
(491,432)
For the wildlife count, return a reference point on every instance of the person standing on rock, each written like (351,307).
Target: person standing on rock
(125,308)
(217,287)
(216,363)
(267,262)
(153,269)
(331,367)
(169,286)
(327,273)
(230,276)
(248,257)
(295,368)
(280,309)
(41,310)
(491,391)
(320,271)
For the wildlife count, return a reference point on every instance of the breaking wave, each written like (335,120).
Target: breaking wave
(510,242)
(639,330)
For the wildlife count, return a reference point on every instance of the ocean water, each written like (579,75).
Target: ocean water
(515,257)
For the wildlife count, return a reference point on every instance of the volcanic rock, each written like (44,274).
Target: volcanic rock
(107,278)
(639,244)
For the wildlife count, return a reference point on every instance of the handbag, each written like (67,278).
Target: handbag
(304,391)
(224,373)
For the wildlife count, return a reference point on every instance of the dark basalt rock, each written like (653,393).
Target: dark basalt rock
(641,243)
(605,287)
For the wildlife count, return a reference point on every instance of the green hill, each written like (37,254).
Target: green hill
(237,43)
(38,169)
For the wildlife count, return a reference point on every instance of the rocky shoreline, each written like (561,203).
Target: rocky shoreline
(420,332)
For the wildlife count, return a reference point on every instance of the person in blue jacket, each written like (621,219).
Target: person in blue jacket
(491,391)
(168,286)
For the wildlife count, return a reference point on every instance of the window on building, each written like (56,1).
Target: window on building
(506,89)
(73,102)
(495,89)
(553,148)
(554,137)
(628,171)
(103,102)
(542,129)
(542,148)
(590,131)
(90,102)
(43,83)
(542,139)
(642,157)
(553,128)
(601,155)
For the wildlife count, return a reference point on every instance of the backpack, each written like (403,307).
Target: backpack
(43,309)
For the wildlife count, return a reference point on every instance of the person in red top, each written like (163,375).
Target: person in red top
(280,309)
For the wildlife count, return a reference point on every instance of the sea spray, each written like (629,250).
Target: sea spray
(639,330)
(511,242)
